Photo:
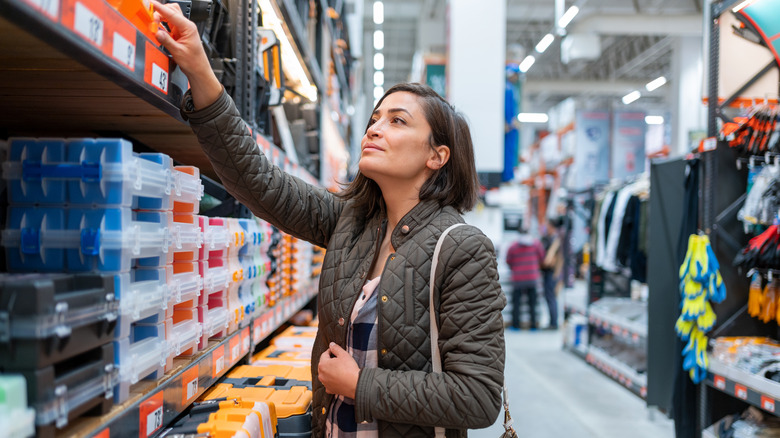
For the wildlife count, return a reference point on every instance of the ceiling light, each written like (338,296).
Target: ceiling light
(568,16)
(545,43)
(379,12)
(378,92)
(379,61)
(379,40)
(532,118)
(654,120)
(742,5)
(655,83)
(631,97)
(379,78)
(527,63)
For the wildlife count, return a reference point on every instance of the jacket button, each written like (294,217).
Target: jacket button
(405,229)
(384,298)
(392,257)
(384,351)
(341,321)
(323,411)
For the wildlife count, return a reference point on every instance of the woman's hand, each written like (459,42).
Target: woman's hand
(339,374)
(186,48)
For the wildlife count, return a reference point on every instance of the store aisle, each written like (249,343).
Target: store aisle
(553,394)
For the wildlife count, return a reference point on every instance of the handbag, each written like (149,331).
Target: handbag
(509,431)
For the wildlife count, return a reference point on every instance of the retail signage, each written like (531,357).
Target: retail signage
(767,404)
(156,72)
(218,361)
(51,8)
(591,156)
(628,144)
(150,415)
(189,383)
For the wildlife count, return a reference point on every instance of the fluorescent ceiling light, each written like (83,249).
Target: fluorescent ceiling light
(568,16)
(655,83)
(527,63)
(545,43)
(654,120)
(379,78)
(631,97)
(532,118)
(291,62)
(742,5)
(378,92)
(379,40)
(379,12)
(379,61)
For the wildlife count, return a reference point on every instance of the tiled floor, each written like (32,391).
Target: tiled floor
(553,393)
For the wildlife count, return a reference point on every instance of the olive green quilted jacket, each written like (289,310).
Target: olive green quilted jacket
(402,394)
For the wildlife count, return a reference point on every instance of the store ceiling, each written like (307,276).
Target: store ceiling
(636,36)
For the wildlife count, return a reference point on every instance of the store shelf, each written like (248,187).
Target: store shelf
(579,351)
(575,300)
(708,432)
(618,325)
(297,28)
(618,371)
(157,403)
(57,82)
(756,390)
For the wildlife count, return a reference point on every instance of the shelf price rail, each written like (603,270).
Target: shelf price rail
(621,327)
(618,371)
(146,413)
(756,390)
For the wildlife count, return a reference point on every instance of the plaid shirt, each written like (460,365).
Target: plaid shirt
(362,345)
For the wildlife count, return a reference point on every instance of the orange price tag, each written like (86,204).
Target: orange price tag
(740,392)
(245,341)
(151,415)
(85,18)
(189,385)
(768,404)
(235,348)
(105,433)
(156,68)
(120,43)
(257,332)
(643,391)
(218,361)
(719,382)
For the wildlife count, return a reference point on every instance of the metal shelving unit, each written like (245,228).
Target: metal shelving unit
(756,390)
(618,371)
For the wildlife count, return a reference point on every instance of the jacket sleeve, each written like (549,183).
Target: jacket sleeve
(290,204)
(467,394)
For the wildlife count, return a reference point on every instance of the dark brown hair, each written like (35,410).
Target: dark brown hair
(456,182)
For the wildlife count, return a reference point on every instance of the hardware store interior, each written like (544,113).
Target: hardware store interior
(626,151)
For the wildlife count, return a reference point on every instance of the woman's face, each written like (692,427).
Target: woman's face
(396,145)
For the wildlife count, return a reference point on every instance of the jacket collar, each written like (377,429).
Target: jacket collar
(419,216)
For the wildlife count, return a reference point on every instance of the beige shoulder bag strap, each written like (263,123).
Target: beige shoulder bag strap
(436,354)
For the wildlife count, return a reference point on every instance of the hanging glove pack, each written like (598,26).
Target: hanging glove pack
(700,284)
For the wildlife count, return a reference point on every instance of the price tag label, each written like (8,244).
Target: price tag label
(150,415)
(709,144)
(245,341)
(719,382)
(643,391)
(88,24)
(123,51)
(235,348)
(189,385)
(50,7)
(156,68)
(740,392)
(257,327)
(218,361)
(767,404)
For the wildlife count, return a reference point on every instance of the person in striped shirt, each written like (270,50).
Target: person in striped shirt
(524,258)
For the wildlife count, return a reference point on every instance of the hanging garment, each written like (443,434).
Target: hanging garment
(610,257)
(602,228)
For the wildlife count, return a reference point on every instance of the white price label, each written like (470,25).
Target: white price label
(124,51)
(192,389)
(88,25)
(236,352)
(258,333)
(154,421)
(50,7)
(159,77)
(245,343)
(220,364)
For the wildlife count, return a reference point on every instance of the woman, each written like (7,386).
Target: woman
(371,363)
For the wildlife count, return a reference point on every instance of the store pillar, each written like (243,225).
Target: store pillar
(688,111)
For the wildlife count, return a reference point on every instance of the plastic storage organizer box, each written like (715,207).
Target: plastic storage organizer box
(47,319)
(103,172)
(81,239)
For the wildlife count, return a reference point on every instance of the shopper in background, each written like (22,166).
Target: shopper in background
(551,270)
(524,258)
(371,359)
